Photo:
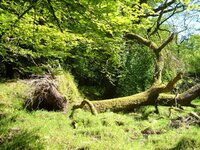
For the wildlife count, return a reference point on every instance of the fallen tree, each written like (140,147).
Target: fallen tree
(146,98)
(46,95)
(155,95)
(149,97)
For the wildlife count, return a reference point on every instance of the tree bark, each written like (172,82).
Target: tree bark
(129,103)
(184,99)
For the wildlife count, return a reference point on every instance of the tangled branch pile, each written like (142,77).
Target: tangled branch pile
(190,119)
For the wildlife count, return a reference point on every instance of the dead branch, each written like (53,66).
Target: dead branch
(146,42)
(165,43)
(54,15)
(172,82)
(164,6)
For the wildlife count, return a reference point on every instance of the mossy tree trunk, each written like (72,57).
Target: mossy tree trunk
(148,97)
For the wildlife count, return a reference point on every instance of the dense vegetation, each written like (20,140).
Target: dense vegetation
(37,37)
(99,49)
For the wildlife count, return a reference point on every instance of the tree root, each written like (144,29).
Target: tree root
(45,96)
(83,103)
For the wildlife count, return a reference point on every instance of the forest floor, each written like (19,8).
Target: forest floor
(140,130)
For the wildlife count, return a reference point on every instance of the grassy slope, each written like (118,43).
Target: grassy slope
(20,129)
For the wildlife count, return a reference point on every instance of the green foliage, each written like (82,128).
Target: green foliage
(87,38)
(190,53)
(138,70)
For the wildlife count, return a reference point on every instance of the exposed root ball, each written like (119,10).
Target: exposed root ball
(45,96)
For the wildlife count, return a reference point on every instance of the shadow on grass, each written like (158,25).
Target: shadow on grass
(188,143)
(17,139)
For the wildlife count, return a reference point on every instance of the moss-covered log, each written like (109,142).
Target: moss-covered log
(184,99)
(149,97)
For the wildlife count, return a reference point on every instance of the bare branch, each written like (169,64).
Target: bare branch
(164,6)
(83,103)
(171,83)
(156,14)
(184,99)
(148,43)
(142,40)
(190,94)
(159,22)
(54,15)
(170,38)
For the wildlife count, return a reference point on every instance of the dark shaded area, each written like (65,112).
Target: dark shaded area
(149,131)
(187,121)
(187,143)
(17,139)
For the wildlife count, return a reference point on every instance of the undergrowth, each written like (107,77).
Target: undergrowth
(21,129)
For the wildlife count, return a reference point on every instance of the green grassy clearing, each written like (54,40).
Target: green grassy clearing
(20,129)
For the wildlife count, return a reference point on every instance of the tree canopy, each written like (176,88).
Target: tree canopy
(91,39)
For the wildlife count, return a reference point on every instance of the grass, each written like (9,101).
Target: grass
(20,129)
(67,87)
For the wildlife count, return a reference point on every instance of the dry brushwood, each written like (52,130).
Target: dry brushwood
(45,96)
(188,120)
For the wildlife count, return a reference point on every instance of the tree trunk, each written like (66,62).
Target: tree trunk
(129,103)
(184,99)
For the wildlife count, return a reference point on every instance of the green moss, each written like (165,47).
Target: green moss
(68,87)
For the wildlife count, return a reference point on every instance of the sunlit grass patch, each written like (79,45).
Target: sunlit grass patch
(196,102)
(41,129)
